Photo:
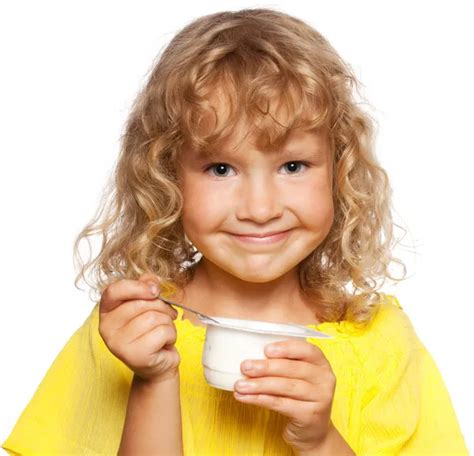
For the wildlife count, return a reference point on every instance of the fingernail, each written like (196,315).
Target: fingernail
(247,365)
(273,349)
(153,289)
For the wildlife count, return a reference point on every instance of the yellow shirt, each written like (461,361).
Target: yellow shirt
(390,397)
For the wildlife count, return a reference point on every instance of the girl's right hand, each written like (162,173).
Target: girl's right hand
(138,328)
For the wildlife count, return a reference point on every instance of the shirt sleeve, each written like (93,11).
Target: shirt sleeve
(437,429)
(80,405)
(406,408)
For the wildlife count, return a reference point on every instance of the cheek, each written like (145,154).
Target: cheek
(202,206)
(316,206)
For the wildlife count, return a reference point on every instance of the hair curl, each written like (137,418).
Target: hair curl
(253,56)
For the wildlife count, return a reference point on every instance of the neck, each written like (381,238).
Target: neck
(217,293)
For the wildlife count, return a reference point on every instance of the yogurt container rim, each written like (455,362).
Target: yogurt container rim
(283,329)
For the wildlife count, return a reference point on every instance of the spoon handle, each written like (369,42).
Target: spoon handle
(167,301)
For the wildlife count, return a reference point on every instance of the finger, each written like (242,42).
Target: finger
(124,290)
(283,368)
(300,411)
(279,386)
(143,323)
(154,340)
(150,278)
(114,321)
(144,350)
(298,350)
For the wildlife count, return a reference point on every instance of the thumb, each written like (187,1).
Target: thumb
(151,279)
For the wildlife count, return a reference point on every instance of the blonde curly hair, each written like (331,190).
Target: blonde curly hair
(254,56)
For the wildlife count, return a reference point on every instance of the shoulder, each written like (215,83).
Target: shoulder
(390,335)
(390,317)
(390,320)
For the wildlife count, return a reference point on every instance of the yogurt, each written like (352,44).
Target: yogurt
(230,341)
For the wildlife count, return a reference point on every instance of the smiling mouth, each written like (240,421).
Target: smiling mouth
(276,237)
(260,235)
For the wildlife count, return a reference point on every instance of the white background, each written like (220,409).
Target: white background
(70,71)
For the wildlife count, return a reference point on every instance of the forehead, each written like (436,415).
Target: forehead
(239,130)
(298,142)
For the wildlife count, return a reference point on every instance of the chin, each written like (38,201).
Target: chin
(260,278)
(257,274)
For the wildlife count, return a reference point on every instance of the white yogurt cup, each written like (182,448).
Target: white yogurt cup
(231,341)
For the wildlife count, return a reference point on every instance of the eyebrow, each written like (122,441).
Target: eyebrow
(206,155)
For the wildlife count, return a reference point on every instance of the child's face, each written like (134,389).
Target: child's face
(249,191)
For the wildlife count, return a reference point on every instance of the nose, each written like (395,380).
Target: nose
(259,200)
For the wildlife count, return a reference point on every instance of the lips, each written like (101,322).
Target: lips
(261,235)
(262,238)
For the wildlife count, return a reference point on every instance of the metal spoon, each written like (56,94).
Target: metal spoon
(309,332)
(187,308)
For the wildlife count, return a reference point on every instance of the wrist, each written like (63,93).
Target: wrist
(331,445)
(170,377)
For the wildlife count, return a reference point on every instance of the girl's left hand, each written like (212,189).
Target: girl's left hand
(298,382)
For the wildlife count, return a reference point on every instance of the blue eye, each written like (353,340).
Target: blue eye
(221,167)
(297,163)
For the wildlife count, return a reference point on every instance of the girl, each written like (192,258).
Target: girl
(247,187)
